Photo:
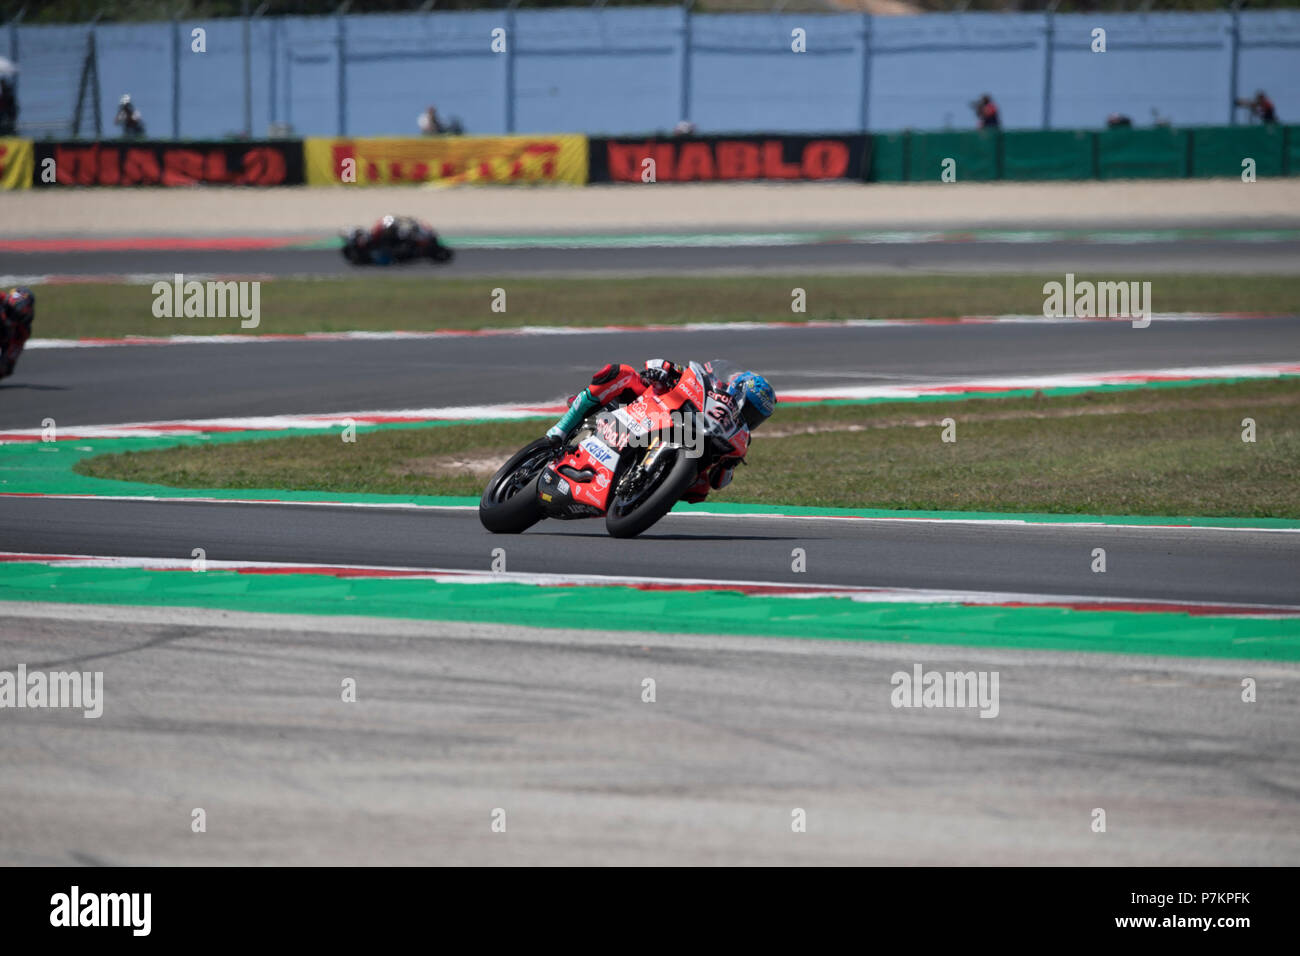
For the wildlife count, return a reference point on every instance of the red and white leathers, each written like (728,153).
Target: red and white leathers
(720,475)
(14,331)
(623,384)
(609,383)
(613,383)
(717,477)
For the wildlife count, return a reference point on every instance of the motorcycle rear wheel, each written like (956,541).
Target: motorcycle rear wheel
(509,504)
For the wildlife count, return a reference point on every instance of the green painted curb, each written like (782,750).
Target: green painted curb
(705,612)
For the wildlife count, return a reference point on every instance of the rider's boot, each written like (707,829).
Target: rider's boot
(579,408)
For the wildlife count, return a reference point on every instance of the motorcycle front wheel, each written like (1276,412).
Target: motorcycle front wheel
(633,510)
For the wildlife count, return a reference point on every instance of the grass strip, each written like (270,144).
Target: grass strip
(1169,451)
(425,300)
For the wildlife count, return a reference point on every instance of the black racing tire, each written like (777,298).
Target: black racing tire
(516,512)
(681,475)
(440,253)
(356,255)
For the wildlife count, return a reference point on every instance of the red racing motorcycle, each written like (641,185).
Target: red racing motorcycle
(630,463)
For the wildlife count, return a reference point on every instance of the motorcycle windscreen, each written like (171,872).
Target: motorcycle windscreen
(722,371)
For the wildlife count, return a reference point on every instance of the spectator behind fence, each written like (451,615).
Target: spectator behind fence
(129,118)
(8,107)
(1118,119)
(1261,107)
(432,125)
(986,112)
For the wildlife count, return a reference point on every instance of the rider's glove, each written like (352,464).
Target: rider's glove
(661,374)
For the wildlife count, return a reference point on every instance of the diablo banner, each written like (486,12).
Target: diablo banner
(150,163)
(719,158)
(448,160)
(15,163)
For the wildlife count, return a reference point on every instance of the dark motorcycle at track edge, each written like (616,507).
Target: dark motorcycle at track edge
(395,239)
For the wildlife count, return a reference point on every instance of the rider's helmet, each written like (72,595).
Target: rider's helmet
(20,305)
(754,395)
(125,100)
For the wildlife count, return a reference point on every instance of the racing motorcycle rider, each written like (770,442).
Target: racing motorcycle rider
(377,243)
(754,398)
(17,310)
(392,238)
(394,230)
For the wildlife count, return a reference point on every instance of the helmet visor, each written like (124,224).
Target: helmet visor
(752,415)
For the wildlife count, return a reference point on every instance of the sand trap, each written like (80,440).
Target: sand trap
(660,206)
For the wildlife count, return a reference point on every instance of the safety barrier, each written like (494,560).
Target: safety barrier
(720,158)
(155,163)
(15,163)
(1117,153)
(447,160)
(575,159)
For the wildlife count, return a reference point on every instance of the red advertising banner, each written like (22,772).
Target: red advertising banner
(277,163)
(718,158)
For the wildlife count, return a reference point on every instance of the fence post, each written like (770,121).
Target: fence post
(1049,40)
(248,71)
(13,49)
(343,72)
(684,106)
(1234,31)
(511,40)
(273,36)
(288,85)
(94,81)
(176,78)
(864,103)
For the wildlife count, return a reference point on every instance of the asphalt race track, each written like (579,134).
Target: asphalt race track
(1150,564)
(240,714)
(141,383)
(1276,257)
(96,386)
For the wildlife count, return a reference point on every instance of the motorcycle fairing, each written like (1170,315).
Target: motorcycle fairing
(578,484)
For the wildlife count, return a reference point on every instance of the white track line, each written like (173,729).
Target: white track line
(893,595)
(543,330)
(461,413)
(1060,525)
